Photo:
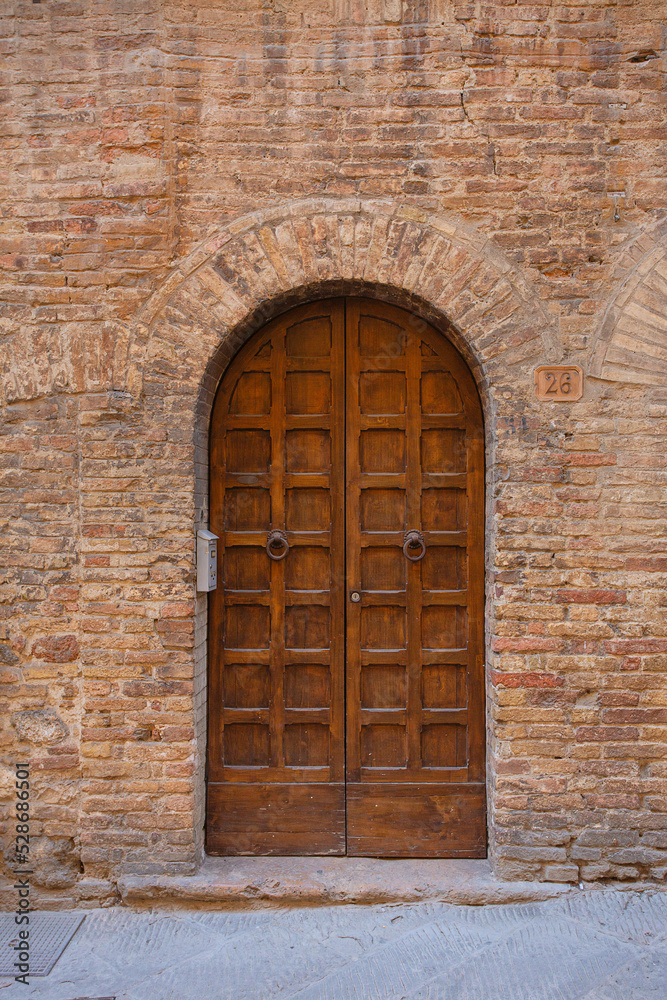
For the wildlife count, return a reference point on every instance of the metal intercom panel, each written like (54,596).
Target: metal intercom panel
(207,560)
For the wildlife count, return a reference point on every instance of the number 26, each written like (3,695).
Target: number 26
(563,384)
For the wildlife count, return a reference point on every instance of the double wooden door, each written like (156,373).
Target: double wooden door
(346,690)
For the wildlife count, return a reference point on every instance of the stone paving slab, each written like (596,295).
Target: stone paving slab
(601,944)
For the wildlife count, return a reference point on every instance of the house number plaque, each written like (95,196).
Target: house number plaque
(559,383)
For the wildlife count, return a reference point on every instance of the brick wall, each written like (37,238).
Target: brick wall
(155,162)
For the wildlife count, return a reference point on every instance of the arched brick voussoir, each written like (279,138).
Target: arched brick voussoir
(631,343)
(306,246)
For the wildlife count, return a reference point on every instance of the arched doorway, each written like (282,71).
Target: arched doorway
(346,639)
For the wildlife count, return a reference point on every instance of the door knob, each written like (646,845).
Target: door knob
(355,596)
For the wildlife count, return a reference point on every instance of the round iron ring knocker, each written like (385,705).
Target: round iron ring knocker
(414,546)
(277,545)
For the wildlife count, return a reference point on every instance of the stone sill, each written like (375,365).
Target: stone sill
(248,881)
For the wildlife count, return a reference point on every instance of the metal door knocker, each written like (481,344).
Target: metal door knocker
(414,547)
(277,545)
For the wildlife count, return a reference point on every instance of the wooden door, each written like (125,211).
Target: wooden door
(347,491)
(415,566)
(276,766)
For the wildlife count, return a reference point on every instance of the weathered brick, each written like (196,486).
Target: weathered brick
(160,203)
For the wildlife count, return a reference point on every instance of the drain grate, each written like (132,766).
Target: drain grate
(50,933)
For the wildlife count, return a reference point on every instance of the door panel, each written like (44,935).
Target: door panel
(276,693)
(415,821)
(353,430)
(415,733)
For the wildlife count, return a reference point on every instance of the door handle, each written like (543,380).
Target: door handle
(277,545)
(414,546)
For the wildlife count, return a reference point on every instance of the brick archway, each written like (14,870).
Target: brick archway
(262,264)
(164,377)
(630,343)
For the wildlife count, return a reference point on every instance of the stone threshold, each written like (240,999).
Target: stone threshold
(325,881)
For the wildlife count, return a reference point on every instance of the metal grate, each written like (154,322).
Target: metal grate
(50,933)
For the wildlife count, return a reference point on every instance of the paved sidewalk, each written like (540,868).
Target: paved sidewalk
(593,945)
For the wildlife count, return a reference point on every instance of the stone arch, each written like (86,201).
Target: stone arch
(260,265)
(631,342)
(269,260)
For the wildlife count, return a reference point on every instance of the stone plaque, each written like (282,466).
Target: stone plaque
(559,383)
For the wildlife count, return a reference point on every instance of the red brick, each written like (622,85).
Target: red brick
(525,680)
(606,734)
(591,597)
(57,648)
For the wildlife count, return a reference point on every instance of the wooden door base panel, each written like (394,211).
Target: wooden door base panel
(296,819)
(416,821)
